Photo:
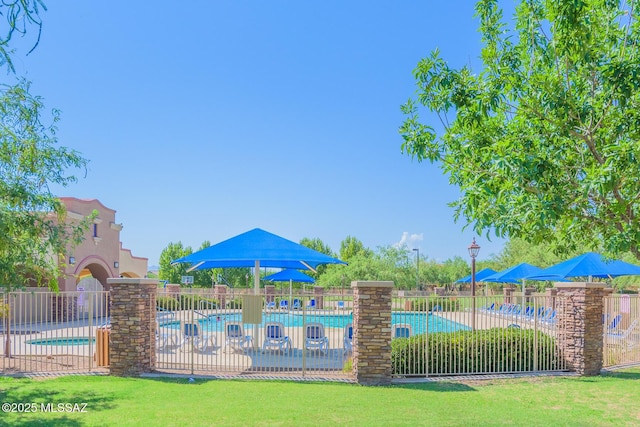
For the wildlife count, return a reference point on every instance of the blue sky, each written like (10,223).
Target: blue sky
(206,119)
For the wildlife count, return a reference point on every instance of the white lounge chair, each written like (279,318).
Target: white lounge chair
(401,330)
(275,338)
(235,338)
(194,338)
(314,338)
(348,338)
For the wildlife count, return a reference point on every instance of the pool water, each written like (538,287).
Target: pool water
(417,321)
(63,341)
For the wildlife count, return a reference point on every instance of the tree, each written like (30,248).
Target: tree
(34,229)
(173,273)
(351,247)
(317,245)
(543,141)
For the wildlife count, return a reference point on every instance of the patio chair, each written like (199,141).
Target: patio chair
(311,304)
(235,338)
(165,339)
(348,338)
(284,304)
(401,330)
(628,338)
(193,337)
(270,306)
(274,337)
(339,305)
(315,339)
(297,304)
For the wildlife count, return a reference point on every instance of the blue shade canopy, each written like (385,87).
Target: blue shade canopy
(480,275)
(257,248)
(514,274)
(587,265)
(289,275)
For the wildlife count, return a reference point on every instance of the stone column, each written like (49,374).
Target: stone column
(550,298)
(372,332)
(173,290)
(220,294)
(508,294)
(132,347)
(270,293)
(318,295)
(579,308)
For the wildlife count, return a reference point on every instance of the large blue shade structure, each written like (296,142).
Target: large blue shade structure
(514,274)
(480,275)
(289,276)
(587,265)
(257,248)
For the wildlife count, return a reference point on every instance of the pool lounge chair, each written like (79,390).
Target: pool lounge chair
(297,305)
(270,306)
(348,338)
(628,338)
(275,338)
(314,338)
(284,304)
(194,338)
(235,339)
(311,304)
(401,330)
(165,339)
(339,305)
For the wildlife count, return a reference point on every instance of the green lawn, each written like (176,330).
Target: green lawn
(610,400)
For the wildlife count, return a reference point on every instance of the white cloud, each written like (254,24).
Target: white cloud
(411,241)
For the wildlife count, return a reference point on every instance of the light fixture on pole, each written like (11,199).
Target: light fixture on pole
(417,251)
(473,253)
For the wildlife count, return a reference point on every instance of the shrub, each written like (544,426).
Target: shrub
(493,350)
(235,303)
(168,303)
(435,304)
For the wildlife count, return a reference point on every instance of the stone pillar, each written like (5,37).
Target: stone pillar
(508,294)
(173,290)
(132,347)
(579,309)
(64,307)
(318,295)
(270,293)
(372,332)
(220,293)
(550,298)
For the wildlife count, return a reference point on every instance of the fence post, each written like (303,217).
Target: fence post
(372,332)
(132,349)
(579,308)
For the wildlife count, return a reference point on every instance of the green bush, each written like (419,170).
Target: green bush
(168,303)
(492,350)
(435,304)
(235,303)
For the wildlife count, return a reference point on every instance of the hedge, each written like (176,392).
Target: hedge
(491,351)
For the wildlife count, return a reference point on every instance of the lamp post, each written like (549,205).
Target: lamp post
(473,253)
(417,251)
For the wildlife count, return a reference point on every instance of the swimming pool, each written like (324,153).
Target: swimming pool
(419,321)
(63,341)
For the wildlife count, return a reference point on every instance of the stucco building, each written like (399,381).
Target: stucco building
(100,255)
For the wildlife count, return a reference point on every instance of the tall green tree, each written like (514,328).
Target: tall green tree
(173,273)
(34,229)
(351,247)
(543,139)
(317,245)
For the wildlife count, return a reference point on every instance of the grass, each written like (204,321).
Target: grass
(609,400)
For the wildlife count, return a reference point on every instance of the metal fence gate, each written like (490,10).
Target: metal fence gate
(43,331)
(456,335)
(621,324)
(292,334)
